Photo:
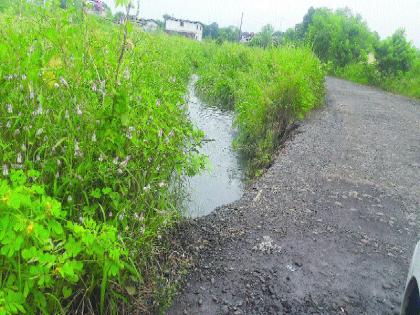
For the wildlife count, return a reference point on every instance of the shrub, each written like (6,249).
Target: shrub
(45,257)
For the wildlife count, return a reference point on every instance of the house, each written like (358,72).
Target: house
(190,29)
(246,37)
(97,7)
(148,25)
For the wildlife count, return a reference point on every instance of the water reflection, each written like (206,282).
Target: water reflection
(223,182)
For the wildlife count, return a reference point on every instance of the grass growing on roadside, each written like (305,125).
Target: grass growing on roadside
(95,141)
(267,89)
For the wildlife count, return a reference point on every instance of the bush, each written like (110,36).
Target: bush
(43,255)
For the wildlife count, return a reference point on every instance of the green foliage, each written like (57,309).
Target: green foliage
(109,145)
(43,254)
(265,38)
(96,141)
(395,54)
(293,83)
(350,50)
(339,37)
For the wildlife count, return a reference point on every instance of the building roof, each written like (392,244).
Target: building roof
(141,20)
(181,20)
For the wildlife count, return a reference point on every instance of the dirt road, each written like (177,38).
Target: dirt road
(331,226)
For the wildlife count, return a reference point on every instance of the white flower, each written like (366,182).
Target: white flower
(5,170)
(115,161)
(125,162)
(39,132)
(162,184)
(94,137)
(146,188)
(77,151)
(119,171)
(127,74)
(19,158)
(8,124)
(110,214)
(57,175)
(158,102)
(56,85)
(38,111)
(64,82)
(79,111)
(9,108)
(31,95)
(101,158)
(59,162)
(37,158)
(69,198)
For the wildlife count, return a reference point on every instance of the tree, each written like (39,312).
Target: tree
(339,37)
(265,37)
(395,54)
(211,31)
(229,34)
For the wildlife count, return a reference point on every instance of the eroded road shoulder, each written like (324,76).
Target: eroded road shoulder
(329,229)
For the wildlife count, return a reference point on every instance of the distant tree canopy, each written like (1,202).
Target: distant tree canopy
(342,38)
(395,54)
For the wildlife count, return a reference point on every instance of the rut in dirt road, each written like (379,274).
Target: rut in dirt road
(329,229)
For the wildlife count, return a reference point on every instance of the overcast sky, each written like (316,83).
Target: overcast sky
(383,16)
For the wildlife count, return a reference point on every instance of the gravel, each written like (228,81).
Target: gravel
(330,227)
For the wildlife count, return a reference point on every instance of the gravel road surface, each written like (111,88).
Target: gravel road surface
(331,226)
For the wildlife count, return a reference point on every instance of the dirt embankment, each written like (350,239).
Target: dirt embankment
(329,229)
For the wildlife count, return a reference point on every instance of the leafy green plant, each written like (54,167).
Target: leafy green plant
(45,257)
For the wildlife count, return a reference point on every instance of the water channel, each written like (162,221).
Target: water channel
(222,183)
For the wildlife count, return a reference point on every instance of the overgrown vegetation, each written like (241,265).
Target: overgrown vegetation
(349,49)
(268,90)
(95,142)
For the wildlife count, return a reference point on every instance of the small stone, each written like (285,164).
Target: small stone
(225,310)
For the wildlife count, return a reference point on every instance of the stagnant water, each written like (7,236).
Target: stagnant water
(222,183)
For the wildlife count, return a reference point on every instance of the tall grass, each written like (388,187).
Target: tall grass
(407,83)
(267,89)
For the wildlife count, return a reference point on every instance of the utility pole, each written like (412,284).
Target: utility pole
(138,9)
(240,27)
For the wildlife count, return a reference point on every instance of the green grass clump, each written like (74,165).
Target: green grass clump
(267,89)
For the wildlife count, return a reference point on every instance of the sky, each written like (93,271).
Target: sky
(383,16)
